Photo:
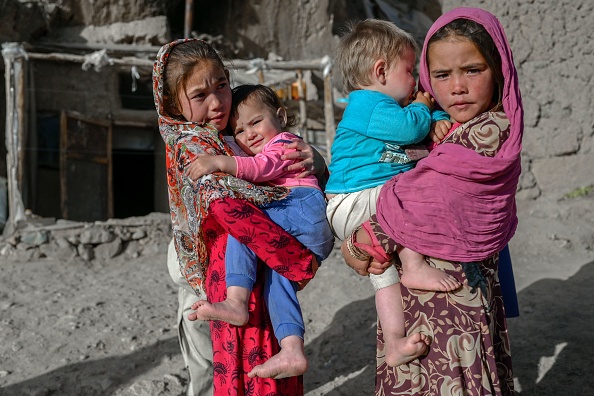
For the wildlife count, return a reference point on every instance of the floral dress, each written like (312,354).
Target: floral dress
(469,352)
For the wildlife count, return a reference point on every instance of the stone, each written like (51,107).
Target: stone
(108,250)
(35,238)
(85,251)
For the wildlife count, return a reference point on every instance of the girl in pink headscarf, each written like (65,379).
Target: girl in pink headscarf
(457,208)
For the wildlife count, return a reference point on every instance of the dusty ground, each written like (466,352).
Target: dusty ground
(108,328)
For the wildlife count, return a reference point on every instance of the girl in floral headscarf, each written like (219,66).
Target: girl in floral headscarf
(457,205)
(193,99)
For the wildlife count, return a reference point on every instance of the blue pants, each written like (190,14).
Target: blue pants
(302,214)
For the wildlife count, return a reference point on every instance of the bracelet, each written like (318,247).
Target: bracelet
(354,251)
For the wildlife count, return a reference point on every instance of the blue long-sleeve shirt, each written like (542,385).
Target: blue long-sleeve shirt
(366,150)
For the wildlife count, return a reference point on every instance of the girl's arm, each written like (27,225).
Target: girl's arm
(206,164)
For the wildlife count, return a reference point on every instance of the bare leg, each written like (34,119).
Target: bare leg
(289,362)
(233,310)
(399,348)
(417,274)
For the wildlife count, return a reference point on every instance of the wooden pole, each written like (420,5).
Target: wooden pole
(302,107)
(13,55)
(189,18)
(329,114)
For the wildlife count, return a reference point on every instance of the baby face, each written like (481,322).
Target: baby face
(254,126)
(400,82)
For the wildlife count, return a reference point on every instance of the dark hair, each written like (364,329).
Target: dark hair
(261,94)
(181,62)
(478,35)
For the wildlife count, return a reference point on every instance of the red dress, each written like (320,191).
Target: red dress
(236,350)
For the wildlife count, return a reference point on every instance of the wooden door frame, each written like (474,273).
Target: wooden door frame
(100,159)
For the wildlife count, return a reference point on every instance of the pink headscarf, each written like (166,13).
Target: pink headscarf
(456,204)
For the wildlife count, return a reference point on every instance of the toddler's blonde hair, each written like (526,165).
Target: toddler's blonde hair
(366,42)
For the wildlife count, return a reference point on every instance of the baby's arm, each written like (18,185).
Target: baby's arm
(424,98)
(206,164)
(439,130)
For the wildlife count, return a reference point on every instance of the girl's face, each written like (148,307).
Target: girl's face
(461,79)
(206,97)
(400,82)
(254,125)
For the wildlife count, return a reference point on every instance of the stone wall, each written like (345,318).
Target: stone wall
(68,240)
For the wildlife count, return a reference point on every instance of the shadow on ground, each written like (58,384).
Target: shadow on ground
(553,339)
(98,377)
(344,353)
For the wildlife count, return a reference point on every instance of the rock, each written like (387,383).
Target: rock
(109,250)
(85,251)
(138,234)
(96,235)
(143,388)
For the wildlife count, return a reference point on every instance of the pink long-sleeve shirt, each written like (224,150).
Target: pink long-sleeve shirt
(268,167)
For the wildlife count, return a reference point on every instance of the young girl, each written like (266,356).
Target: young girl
(257,121)
(458,204)
(193,99)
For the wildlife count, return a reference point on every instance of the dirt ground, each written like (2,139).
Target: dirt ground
(108,328)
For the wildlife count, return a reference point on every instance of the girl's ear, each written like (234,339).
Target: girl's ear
(282,116)
(380,67)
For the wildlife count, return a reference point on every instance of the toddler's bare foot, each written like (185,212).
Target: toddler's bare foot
(230,311)
(401,350)
(426,277)
(289,362)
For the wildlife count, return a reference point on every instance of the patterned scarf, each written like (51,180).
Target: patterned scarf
(189,201)
(457,204)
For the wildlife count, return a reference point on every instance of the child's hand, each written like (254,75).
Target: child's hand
(203,164)
(424,98)
(377,268)
(439,130)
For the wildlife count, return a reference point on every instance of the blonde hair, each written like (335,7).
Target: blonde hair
(366,42)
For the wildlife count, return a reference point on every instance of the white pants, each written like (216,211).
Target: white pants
(348,211)
(194,336)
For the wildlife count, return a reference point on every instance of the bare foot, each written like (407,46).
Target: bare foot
(230,311)
(426,277)
(289,362)
(401,350)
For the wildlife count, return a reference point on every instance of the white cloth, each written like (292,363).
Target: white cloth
(348,211)
(193,336)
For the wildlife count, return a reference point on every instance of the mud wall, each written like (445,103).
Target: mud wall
(552,43)
(553,46)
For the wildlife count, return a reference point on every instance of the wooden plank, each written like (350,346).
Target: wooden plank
(86,178)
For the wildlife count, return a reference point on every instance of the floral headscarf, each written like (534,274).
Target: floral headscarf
(189,201)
